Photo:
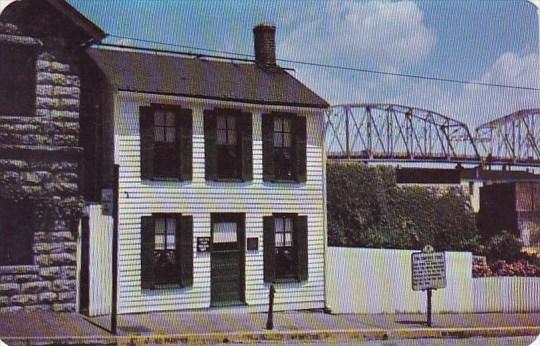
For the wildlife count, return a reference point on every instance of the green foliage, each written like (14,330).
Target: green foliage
(503,246)
(367,209)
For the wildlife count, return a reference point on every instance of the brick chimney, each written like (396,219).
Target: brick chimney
(265,44)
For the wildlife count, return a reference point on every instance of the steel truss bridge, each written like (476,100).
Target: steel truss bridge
(396,133)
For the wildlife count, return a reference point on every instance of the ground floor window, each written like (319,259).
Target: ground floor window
(166,250)
(16,233)
(285,247)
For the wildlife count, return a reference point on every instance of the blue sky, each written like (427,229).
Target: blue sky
(493,41)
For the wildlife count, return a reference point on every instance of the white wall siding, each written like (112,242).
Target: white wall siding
(200,198)
(506,294)
(100,257)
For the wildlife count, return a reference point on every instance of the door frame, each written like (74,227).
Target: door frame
(239,218)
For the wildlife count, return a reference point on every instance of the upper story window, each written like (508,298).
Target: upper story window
(285,247)
(17,79)
(284,147)
(166,250)
(166,142)
(228,147)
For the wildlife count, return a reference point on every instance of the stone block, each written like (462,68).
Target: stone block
(65,140)
(64,116)
(6,279)
(43,112)
(61,91)
(43,65)
(64,297)
(9,289)
(60,67)
(10,309)
(46,102)
(32,308)
(64,285)
(62,259)
(61,236)
(51,78)
(22,269)
(47,297)
(65,307)
(69,273)
(23,299)
(43,260)
(44,90)
(13,165)
(48,273)
(66,103)
(20,278)
(35,287)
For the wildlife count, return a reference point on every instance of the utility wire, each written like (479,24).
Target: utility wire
(339,67)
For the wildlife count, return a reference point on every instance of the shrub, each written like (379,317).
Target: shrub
(366,208)
(503,246)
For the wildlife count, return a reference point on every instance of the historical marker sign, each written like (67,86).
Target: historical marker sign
(428,270)
(203,244)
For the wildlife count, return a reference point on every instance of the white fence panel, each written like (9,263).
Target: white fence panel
(506,294)
(379,281)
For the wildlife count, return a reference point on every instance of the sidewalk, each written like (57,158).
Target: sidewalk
(43,328)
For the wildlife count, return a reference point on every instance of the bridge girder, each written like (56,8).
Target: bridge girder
(391,132)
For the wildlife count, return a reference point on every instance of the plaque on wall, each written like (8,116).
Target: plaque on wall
(252,244)
(203,244)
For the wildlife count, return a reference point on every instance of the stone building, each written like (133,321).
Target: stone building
(40,155)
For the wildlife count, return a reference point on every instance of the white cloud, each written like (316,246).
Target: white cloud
(387,35)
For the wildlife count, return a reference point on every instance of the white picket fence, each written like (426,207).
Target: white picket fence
(380,281)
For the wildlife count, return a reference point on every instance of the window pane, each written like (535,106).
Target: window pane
(159,226)
(279,239)
(221,136)
(224,232)
(171,241)
(288,224)
(278,139)
(170,133)
(158,134)
(220,122)
(231,122)
(232,137)
(288,239)
(277,124)
(159,118)
(278,224)
(287,140)
(159,242)
(286,125)
(170,119)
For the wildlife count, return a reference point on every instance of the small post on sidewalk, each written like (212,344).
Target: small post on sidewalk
(114,289)
(429,307)
(270,320)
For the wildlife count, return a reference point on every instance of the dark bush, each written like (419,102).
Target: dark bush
(503,246)
(366,208)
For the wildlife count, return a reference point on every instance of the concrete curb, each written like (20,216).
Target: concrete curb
(277,336)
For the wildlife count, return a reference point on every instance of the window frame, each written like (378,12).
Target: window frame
(227,151)
(173,278)
(164,149)
(279,251)
(281,151)
(26,87)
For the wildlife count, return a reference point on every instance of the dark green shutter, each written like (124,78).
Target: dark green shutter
(147,252)
(269,249)
(184,249)
(184,130)
(247,140)
(300,148)
(268,147)
(210,154)
(301,239)
(146,125)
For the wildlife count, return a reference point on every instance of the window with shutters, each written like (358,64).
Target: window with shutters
(229,157)
(228,144)
(166,250)
(285,252)
(17,79)
(166,142)
(284,147)
(285,247)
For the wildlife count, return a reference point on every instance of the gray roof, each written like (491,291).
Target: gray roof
(202,78)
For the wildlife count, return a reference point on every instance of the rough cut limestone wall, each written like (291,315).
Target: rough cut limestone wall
(39,162)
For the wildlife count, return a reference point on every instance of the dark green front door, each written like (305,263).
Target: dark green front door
(227,260)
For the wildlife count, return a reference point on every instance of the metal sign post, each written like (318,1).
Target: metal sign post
(114,261)
(428,273)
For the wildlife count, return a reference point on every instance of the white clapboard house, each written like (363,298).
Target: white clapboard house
(221,182)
